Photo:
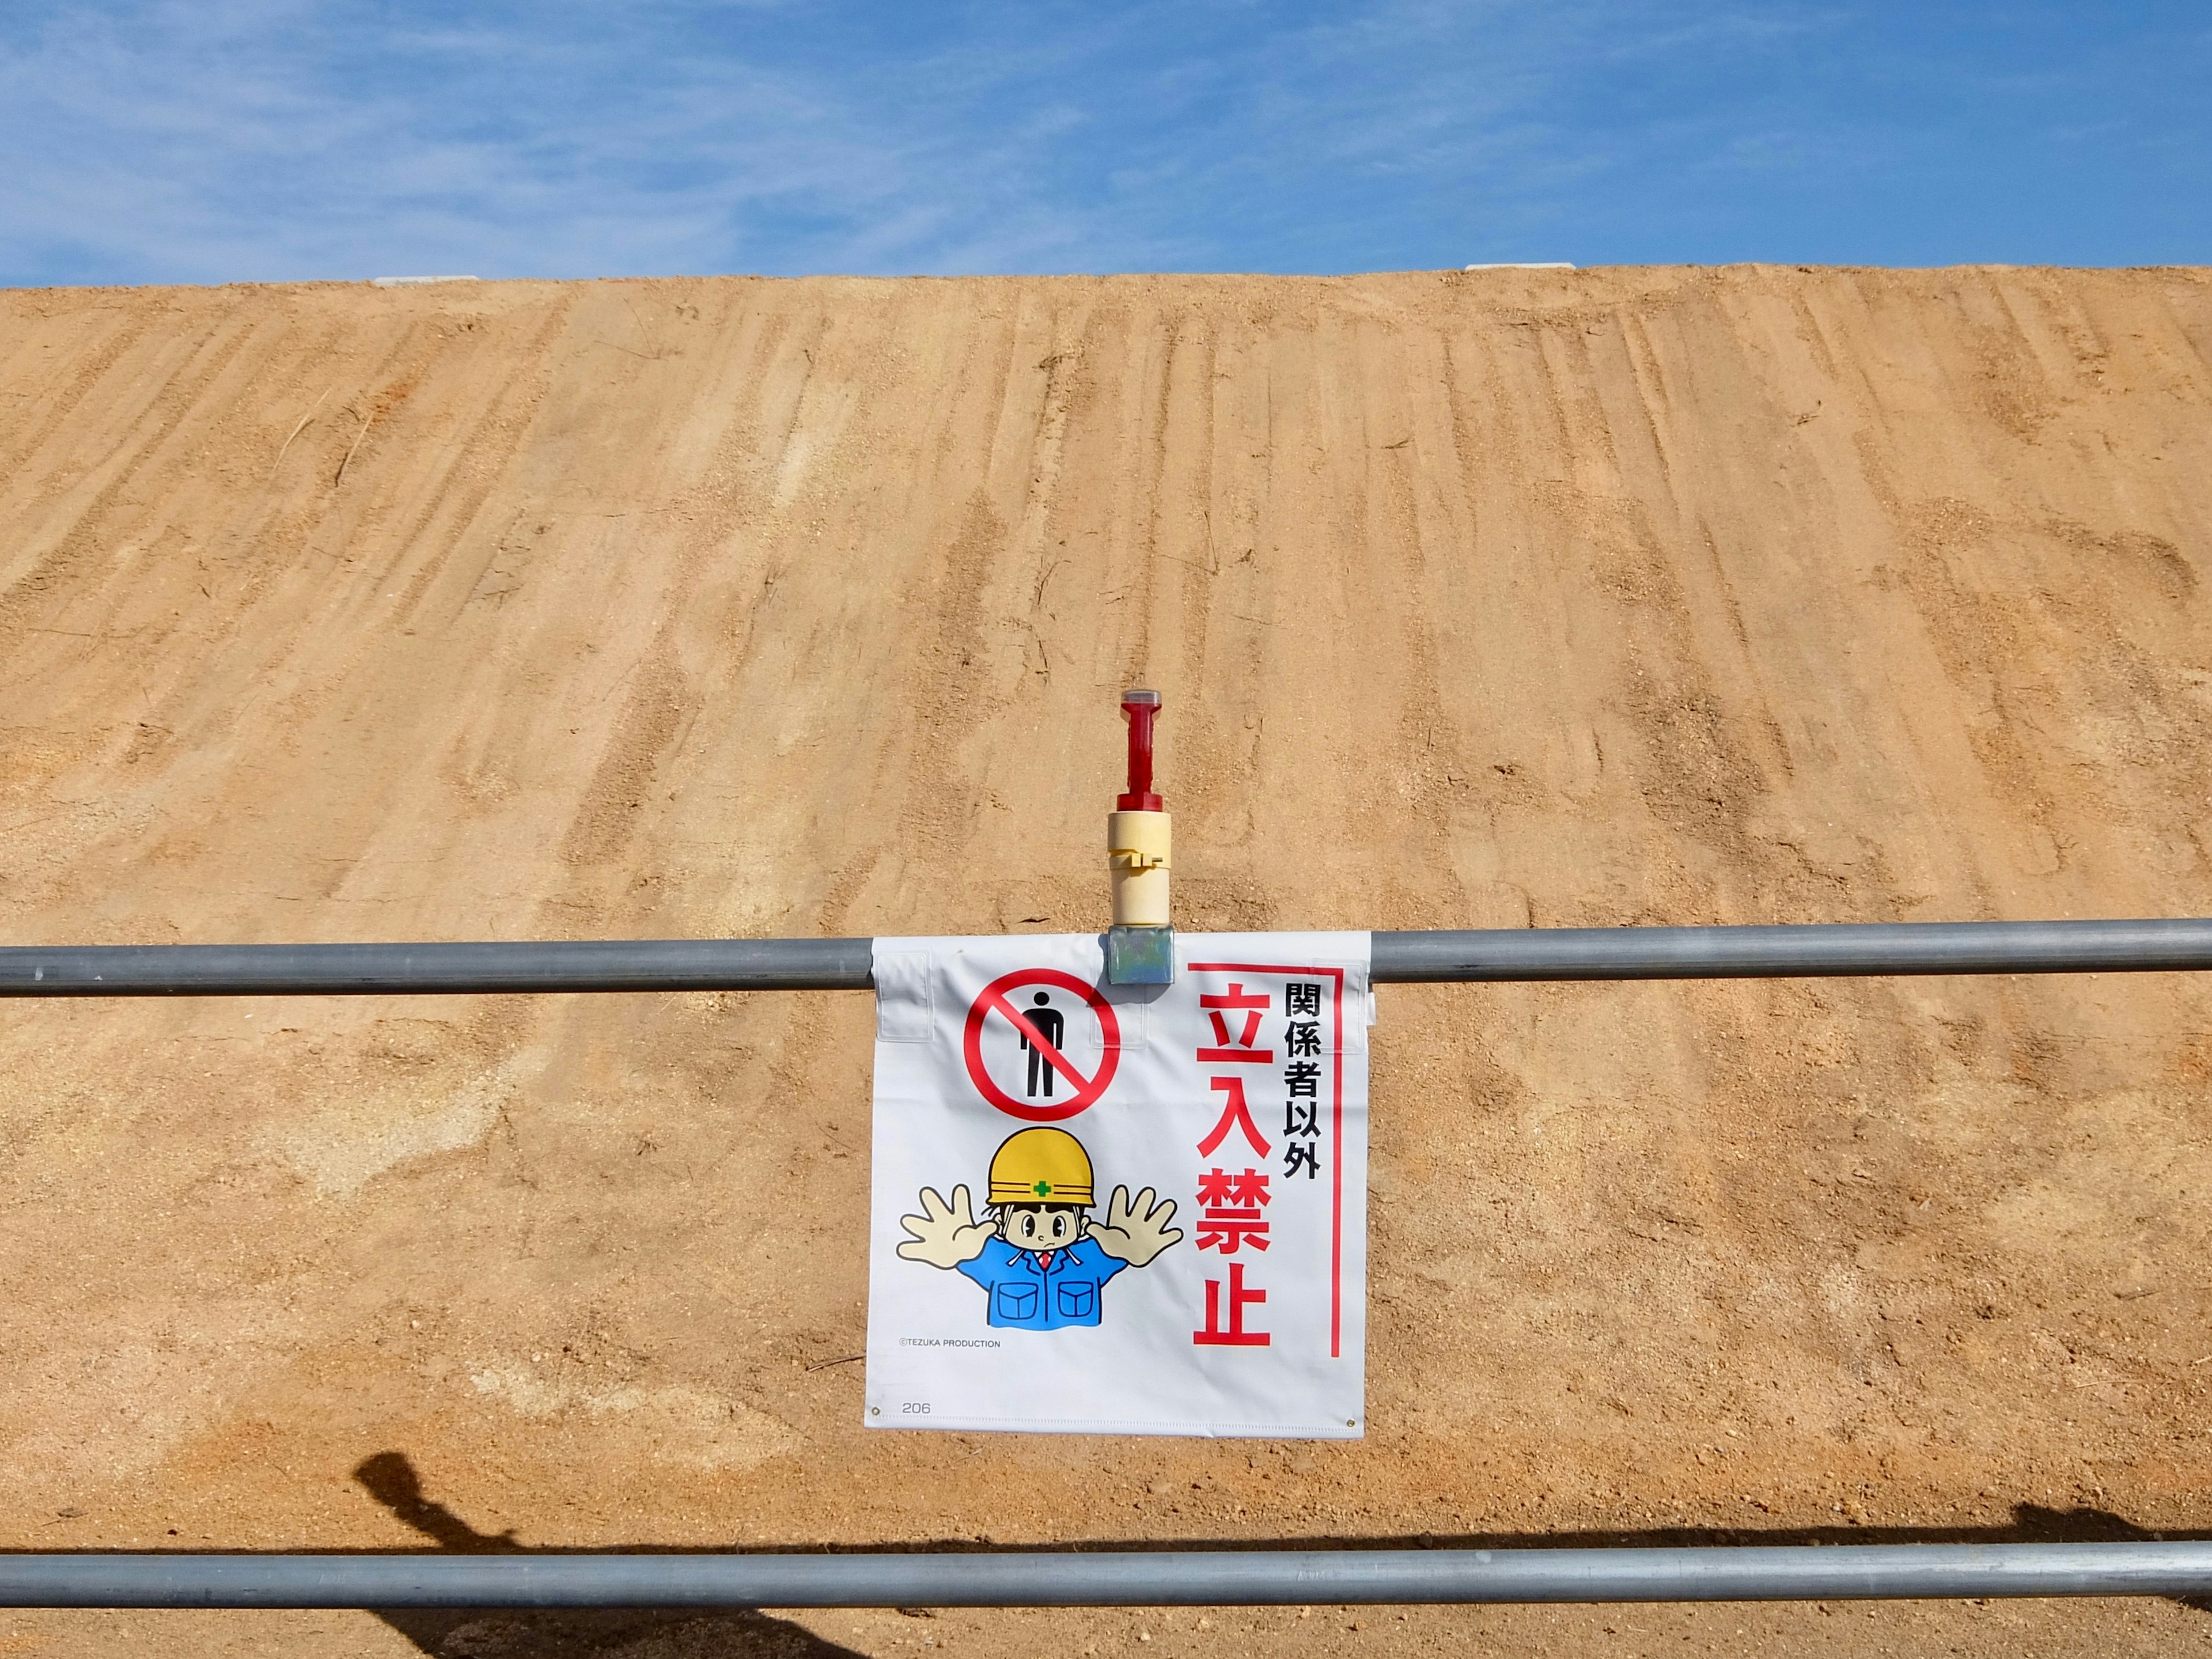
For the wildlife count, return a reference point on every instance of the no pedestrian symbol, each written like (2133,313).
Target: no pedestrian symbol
(1024,1016)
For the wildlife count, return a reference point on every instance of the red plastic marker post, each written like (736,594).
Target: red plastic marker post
(1141,944)
(1139,709)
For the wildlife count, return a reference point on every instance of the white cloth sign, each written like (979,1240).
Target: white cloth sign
(1121,1209)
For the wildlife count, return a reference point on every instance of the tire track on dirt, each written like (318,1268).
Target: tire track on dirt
(62,394)
(69,555)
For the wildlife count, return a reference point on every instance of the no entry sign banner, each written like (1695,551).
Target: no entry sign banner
(1121,1209)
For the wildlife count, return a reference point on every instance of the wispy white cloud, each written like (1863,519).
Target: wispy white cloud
(159,140)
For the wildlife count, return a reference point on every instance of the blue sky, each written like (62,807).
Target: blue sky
(200,141)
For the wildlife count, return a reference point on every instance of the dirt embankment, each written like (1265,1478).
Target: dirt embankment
(741,607)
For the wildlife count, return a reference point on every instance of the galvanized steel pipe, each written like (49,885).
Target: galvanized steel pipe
(1883,948)
(670,965)
(1149,1578)
(844,965)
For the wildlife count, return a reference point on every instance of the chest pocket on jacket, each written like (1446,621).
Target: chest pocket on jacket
(1018,1301)
(1076,1301)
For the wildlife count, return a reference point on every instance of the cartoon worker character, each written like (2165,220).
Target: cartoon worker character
(1042,1262)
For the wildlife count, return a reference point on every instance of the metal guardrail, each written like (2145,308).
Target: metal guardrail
(1149,1578)
(844,965)
(1108,1579)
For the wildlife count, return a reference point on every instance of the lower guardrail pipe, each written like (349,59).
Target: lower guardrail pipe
(1111,1578)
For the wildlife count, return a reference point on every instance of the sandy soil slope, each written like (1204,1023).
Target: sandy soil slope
(742,607)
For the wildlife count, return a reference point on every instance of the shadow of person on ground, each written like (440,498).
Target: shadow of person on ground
(613,1633)
(390,1479)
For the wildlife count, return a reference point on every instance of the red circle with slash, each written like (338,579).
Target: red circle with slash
(995,1000)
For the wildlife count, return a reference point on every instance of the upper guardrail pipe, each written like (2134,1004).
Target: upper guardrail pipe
(844,965)
(1883,948)
(1109,1579)
(671,964)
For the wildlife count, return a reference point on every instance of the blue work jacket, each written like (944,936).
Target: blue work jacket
(1025,1297)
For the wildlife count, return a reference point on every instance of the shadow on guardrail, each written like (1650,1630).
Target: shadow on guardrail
(391,1479)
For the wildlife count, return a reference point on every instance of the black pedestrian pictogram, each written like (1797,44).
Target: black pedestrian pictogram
(1031,1024)
(1050,1024)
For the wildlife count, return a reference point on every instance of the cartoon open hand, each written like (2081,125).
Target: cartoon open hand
(944,1235)
(1132,1232)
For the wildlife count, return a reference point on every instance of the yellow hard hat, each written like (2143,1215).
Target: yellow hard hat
(1041,1166)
